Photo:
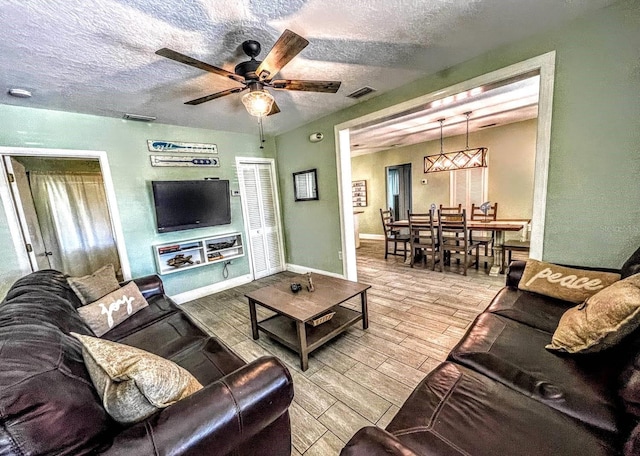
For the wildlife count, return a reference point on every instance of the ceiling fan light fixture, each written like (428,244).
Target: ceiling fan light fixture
(258,102)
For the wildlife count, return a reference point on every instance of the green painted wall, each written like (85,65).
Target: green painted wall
(593,192)
(126,145)
(511,164)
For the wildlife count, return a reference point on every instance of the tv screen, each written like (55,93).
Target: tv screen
(183,205)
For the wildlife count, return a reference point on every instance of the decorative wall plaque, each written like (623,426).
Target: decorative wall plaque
(172,146)
(184,160)
(359,190)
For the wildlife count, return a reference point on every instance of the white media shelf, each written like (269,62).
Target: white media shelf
(182,255)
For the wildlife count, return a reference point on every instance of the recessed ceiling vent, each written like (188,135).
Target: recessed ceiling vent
(366,90)
(139,117)
(488,125)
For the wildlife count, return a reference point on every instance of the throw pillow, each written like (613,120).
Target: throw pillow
(132,383)
(568,284)
(601,321)
(113,309)
(92,287)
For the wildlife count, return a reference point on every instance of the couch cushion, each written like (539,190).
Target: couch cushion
(160,307)
(134,384)
(46,281)
(602,321)
(177,338)
(92,287)
(532,309)
(48,403)
(514,354)
(43,298)
(208,360)
(632,265)
(111,310)
(569,284)
(455,411)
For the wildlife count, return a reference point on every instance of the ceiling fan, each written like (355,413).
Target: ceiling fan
(257,75)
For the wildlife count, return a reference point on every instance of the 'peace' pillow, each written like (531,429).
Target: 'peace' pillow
(568,284)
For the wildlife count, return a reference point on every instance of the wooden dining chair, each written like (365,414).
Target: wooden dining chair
(454,238)
(392,235)
(424,238)
(483,237)
(512,246)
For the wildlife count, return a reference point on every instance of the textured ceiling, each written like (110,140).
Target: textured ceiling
(98,57)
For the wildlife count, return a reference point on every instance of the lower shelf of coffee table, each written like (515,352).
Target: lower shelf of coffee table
(283,329)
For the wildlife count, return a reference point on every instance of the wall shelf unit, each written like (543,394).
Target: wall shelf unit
(182,255)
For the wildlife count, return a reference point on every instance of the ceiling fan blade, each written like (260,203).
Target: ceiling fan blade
(178,57)
(287,47)
(213,96)
(306,86)
(274,109)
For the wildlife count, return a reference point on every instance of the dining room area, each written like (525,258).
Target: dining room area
(477,217)
(454,193)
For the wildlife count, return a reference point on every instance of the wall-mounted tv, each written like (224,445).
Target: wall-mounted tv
(187,204)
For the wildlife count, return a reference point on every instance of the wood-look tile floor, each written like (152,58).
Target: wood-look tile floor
(361,378)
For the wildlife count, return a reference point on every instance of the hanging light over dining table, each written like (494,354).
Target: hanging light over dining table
(459,159)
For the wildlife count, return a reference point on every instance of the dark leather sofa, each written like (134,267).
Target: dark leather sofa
(48,404)
(500,392)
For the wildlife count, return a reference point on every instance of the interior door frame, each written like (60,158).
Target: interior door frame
(12,215)
(544,63)
(245,213)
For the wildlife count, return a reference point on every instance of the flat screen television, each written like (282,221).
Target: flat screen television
(187,204)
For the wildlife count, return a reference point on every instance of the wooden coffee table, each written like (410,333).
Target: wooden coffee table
(294,311)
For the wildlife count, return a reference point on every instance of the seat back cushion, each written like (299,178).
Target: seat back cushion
(48,404)
(632,265)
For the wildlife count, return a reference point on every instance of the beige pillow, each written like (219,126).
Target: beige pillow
(573,285)
(132,383)
(602,321)
(113,309)
(92,287)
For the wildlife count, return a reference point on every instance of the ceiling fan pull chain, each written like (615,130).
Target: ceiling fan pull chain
(261,132)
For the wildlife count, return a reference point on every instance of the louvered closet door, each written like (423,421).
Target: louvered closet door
(469,186)
(262,219)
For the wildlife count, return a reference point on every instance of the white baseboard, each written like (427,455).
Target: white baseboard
(374,237)
(211,289)
(303,270)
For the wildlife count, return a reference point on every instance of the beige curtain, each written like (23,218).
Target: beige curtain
(74,219)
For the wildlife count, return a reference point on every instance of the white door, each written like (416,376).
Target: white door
(262,216)
(25,227)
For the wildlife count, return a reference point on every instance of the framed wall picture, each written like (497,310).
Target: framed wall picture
(305,185)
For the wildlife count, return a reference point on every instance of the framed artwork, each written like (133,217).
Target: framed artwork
(305,185)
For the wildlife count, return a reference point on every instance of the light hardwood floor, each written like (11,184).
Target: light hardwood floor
(362,377)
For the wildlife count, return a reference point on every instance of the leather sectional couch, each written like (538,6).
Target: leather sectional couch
(500,392)
(48,404)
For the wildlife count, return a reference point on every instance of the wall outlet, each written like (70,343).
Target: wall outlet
(235,192)
(339,254)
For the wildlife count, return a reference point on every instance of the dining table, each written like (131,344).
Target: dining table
(500,227)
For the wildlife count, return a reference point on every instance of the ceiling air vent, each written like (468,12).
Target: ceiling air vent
(139,117)
(488,125)
(366,90)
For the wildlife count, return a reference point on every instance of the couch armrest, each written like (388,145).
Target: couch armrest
(216,419)
(150,285)
(374,441)
(514,273)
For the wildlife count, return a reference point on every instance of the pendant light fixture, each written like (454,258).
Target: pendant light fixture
(460,159)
